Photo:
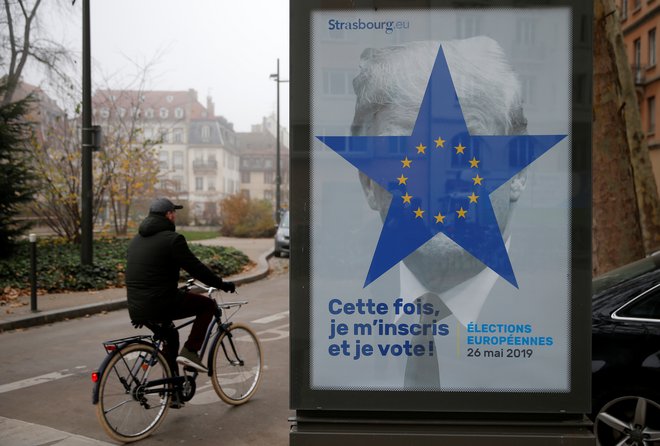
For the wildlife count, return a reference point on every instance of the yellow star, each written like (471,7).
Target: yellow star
(421,148)
(407,198)
(419,213)
(439,142)
(473,198)
(459,148)
(461,213)
(477,180)
(474,162)
(402,179)
(440,218)
(406,162)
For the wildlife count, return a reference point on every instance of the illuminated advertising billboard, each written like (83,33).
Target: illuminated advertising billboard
(440,263)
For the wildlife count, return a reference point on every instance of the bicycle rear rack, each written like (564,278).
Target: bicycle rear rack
(115,344)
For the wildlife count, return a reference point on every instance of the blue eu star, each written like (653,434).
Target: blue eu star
(440,177)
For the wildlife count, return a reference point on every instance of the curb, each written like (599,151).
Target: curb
(47,317)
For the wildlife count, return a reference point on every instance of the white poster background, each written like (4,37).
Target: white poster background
(345,229)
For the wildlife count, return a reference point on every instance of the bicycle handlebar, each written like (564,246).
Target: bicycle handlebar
(209,290)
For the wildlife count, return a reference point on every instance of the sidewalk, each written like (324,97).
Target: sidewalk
(62,306)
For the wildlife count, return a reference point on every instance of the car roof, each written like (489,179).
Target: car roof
(625,273)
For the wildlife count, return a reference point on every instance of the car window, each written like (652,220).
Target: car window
(647,306)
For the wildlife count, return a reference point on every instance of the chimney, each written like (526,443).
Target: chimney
(210,108)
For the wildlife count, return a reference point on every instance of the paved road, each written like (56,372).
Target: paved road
(45,386)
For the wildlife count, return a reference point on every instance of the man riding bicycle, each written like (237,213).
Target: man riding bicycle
(155,257)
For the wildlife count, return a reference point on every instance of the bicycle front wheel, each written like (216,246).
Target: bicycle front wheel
(132,404)
(237,363)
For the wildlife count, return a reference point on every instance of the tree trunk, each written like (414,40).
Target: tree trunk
(625,200)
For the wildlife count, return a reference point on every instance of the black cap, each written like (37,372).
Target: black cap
(163,205)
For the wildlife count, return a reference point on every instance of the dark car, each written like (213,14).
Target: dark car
(282,236)
(626,354)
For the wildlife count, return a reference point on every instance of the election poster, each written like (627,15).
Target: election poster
(440,200)
(440,205)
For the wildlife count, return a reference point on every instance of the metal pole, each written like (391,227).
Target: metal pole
(33,272)
(278,180)
(86,229)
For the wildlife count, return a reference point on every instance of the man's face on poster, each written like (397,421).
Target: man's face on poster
(439,264)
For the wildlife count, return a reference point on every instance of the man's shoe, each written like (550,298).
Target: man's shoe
(190,359)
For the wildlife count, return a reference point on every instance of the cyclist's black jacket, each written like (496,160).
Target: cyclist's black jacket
(155,256)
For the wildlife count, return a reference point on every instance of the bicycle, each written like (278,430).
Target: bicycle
(134,386)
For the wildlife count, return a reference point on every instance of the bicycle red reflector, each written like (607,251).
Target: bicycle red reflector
(95,377)
(110,348)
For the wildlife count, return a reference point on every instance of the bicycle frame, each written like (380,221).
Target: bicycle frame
(114,348)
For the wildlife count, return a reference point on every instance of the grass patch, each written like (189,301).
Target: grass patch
(59,269)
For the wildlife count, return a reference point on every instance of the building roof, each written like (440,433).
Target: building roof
(151,99)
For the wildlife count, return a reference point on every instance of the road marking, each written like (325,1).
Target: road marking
(48,377)
(272,318)
(20,433)
(274,334)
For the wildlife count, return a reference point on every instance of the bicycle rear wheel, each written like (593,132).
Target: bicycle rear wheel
(129,408)
(236,363)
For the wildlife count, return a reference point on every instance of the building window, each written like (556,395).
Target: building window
(121,111)
(169,98)
(652,47)
(199,183)
(637,4)
(164,112)
(637,60)
(269,177)
(206,133)
(164,136)
(178,136)
(337,83)
(526,31)
(176,183)
(105,113)
(468,27)
(164,160)
(651,114)
(528,85)
(245,177)
(149,113)
(178,113)
(520,153)
(624,9)
(177,160)
(211,183)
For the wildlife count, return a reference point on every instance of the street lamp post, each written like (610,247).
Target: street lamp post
(278,178)
(86,230)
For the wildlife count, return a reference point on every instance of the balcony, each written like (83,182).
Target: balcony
(208,166)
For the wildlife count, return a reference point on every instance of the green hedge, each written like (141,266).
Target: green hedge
(59,269)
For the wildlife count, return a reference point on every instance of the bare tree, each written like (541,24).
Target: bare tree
(125,168)
(22,41)
(626,223)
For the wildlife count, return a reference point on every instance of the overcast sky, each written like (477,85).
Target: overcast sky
(225,49)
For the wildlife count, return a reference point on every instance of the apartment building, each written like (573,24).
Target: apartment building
(197,153)
(258,169)
(640,20)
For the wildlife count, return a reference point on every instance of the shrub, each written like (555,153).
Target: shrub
(59,269)
(242,217)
